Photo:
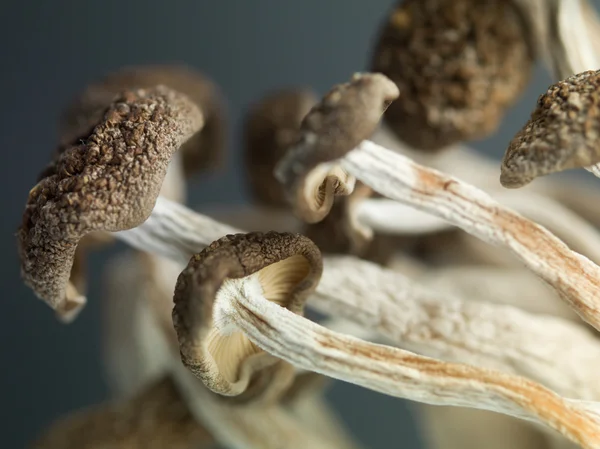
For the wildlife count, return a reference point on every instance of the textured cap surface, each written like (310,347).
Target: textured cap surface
(458,64)
(348,114)
(109,182)
(562,133)
(205,150)
(230,364)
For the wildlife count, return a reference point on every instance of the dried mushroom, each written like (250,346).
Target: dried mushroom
(203,151)
(561,134)
(156,418)
(459,65)
(270,129)
(346,115)
(285,267)
(110,182)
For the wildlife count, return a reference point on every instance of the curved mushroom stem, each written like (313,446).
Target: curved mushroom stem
(396,372)
(575,277)
(247,426)
(438,324)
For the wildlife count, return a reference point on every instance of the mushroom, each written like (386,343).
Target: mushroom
(203,151)
(157,417)
(110,182)
(270,127)
(285,267)
(459,65)
(346,115)
(561,134)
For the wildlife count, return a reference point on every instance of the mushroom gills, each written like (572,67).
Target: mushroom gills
(226,344)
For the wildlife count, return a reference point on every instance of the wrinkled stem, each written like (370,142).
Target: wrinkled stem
(575,277)
(403,374)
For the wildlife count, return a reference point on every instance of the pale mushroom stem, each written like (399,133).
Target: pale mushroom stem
(249,426)
(444,326)
(175,231)
(575,277)
(404,374)
(391,217)
(573,41)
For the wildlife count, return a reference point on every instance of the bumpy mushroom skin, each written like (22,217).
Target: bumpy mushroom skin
(271,127)
(108,183)
(561,134)
(347,115)
(203,151)
(288,266)
(157,418)
(458,63)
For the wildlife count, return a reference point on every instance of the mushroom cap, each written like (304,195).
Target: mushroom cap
(110,182)
(348,114)
(459,65)
(204,151)
(562,133)
(271,127)
(157,417)
(288,268)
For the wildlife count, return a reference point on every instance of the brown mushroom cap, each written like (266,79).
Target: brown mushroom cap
(205,150)
(562,133)
(459,65)
(156,418)
(347,114)
(110,183)
(288,267)
(271,127)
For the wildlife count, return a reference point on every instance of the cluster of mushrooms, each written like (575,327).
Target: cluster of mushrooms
(439,282)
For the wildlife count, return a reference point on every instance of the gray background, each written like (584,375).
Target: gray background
(50,50)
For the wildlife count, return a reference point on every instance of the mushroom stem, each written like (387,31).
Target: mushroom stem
(474,168)
(572,42)
(391,217)
(437,324)
(575,277)
(246,426)
(175,231)
(404,374)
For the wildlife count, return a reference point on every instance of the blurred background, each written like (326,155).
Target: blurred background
(51,50)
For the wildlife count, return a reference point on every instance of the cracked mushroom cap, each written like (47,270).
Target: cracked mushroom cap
(562,133)
(459,65)
(348,114)
(203,151)
(286,266)
(271,127)
(109,182)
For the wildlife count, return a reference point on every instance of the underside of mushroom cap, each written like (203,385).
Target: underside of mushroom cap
(203,151)
(563,132)
(271,127)
(348,114)
(109,182)
(286,266)
(459,65)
